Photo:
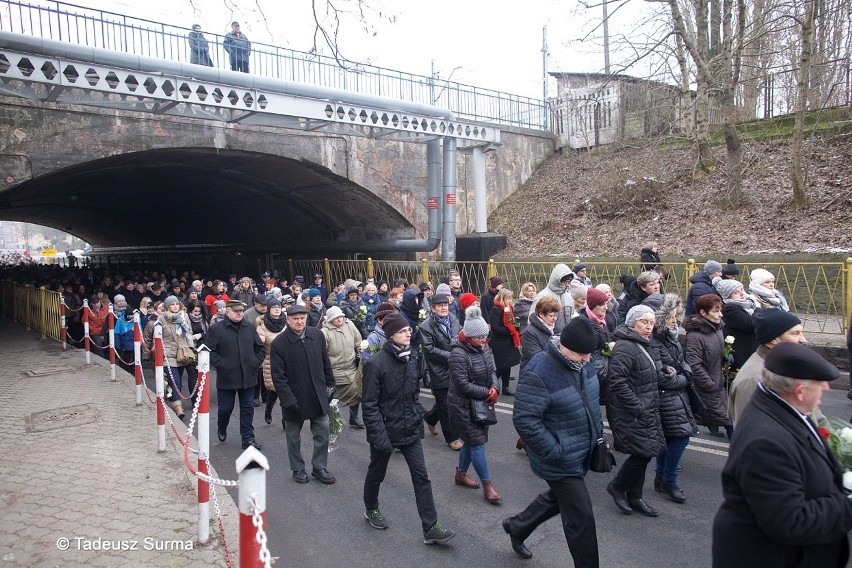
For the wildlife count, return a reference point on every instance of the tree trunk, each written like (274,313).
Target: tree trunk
(702,127)
(800,198)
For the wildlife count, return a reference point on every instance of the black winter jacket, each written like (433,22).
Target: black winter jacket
(301,373)
(534,339)
(633,407)
(472,373)
(675,412)
(236,353)
(436,350)
(634,295)
(649,259)
(390,403)
(738,324)
(701,285)
(506,355)
(704,344)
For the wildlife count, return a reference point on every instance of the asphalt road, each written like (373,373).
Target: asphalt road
(318,525)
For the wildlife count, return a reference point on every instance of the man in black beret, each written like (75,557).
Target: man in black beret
(301,373)
(784,501)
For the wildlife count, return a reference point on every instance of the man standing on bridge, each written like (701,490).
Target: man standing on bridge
(238,47)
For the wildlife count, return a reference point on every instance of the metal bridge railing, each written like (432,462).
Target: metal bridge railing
(109,30)
(820,293)
(36,308)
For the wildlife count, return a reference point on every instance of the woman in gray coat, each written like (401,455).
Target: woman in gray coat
(704,345)
(472,377)
(633,409)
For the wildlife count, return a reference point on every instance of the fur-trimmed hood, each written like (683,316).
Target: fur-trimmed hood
(671,302)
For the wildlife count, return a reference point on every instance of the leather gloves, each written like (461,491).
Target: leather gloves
(669,372)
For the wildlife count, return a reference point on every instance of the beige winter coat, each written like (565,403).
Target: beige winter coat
(171,339)
(344,346)
(266,337)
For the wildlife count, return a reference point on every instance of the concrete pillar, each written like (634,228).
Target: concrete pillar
(433,182)
(480,204)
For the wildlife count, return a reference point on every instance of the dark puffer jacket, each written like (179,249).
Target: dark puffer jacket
(704,344)
(472,373)
(633,406)
(535,338)
(633,296)
(436,350)
(390,403)
(701,284)
(739,325)
(551,418)
(675,412)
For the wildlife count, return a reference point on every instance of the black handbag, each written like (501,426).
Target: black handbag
(601,459)
(695,403)
(482,413)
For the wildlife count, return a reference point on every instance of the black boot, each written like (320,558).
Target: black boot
(270,404)
(354,421)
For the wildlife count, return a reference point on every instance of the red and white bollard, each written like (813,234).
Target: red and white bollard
(63,331)
(111,344)
(137,357)
(252,467)
(203,419)
(158,375)
(87,343)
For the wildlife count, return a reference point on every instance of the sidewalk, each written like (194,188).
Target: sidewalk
(81,471)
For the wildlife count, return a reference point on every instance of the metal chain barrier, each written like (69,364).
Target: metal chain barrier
(174,384)
(146,389)
(257,521)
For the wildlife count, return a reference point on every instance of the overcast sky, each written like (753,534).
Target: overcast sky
(489,44)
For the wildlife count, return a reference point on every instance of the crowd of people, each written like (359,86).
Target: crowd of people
(658,366)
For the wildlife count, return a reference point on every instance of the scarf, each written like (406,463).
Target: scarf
(508,321)
(593,317)
(773,297)
(746,303)
(274,325)
(445,324)
(573,365)
(401,353)
(468,341)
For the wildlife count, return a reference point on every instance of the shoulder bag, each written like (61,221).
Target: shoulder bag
(482,413)
(601,458)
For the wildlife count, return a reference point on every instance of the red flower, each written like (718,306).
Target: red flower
(824,432)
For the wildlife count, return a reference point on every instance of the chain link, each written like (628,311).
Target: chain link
(260,537)
(174,383)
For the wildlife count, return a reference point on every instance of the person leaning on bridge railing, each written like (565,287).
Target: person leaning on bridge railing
(238,47)
(199,50)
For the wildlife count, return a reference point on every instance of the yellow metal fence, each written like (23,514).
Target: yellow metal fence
(820,293)
(36,308)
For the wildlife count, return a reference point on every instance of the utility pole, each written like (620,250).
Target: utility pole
(544,55)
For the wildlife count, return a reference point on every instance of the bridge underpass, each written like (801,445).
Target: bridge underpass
(226,194)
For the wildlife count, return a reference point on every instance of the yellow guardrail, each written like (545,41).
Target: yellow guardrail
(820,293)
(36,308)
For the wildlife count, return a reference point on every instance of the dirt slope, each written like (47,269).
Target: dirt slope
(611,201)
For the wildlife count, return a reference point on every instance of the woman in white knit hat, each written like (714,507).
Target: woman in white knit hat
(762,285)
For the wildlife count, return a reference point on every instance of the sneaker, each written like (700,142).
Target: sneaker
(376,519)
(437,535)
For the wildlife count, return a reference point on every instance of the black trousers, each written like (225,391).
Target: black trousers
(505,375)
(631,477)
(413,454)
(439,412)
(570,499)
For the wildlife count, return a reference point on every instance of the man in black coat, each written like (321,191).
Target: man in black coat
(436,335)
(236,352)
(784,502)
(393,418)
(301,372)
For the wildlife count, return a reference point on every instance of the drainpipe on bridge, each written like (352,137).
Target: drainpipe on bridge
(448,247)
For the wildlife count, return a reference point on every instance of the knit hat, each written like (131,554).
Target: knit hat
(393,323)
(771,323)
(261,299)
(496,281)
(798,362)
(219,304)
(654,301)
(579,336)
(466,300)
(314,292)
(759,276)
(170,300)
(443,289)
(712,266)
(595,298)
(332,313)
(731,269)
(578,289)
(726,287)
(577,268)
(385,309)
(635,313)
(118,297)
(273,303)
(474,325)
(285,299)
